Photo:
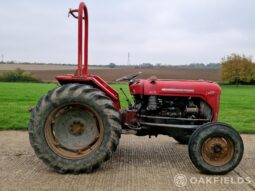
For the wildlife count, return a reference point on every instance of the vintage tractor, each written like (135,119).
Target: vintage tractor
(77,126)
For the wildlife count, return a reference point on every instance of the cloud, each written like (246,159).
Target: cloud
(169,32)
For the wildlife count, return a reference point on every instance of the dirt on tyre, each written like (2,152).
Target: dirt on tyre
(216,148)
(184,140)
(74,128)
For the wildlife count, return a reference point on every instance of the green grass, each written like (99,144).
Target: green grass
(237,104)
(15,101)
(238,107)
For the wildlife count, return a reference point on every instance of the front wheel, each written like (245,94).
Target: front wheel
(216,148)
(74,128)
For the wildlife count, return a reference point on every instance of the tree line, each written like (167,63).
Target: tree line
(237,69)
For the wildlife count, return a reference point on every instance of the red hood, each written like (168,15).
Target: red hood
(180,87)
(175,87)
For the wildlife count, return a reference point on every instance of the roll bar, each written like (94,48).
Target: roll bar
(82,15)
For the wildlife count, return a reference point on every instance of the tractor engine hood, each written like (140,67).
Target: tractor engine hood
(193,88)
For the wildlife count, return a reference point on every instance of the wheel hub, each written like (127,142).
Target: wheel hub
(217,151)
(73,131)
(217,148)
(70,132)
(77,128)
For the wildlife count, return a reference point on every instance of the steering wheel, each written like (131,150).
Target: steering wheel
(128,77)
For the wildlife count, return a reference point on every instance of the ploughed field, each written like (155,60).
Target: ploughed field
(237,104)
(47,73)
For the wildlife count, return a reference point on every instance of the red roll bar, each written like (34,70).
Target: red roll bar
(82,16)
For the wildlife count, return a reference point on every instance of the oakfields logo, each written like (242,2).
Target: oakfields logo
(181,180)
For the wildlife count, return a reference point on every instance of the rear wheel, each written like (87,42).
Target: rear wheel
(74,128)
(216,148)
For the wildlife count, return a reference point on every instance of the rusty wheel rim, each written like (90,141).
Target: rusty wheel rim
(73,131)
(217,151)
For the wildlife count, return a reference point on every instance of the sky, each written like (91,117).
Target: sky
(171,32)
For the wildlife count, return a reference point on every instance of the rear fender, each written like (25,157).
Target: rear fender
(94,81)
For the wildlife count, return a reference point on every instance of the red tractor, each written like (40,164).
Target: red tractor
(77,126)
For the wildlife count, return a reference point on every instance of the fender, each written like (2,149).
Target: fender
(94,81)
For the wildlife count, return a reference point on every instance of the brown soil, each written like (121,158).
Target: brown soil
(112,74)
(48,72)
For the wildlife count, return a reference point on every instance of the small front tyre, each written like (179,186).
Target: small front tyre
(215,148)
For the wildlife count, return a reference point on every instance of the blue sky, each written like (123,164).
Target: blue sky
(162,31)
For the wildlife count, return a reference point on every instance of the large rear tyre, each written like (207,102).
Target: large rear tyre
(74,128)
(216,148)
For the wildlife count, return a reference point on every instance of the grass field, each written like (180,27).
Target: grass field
(237,104)
(238,107)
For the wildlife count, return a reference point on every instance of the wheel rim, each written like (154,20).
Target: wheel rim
(217,151)
(74,131)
